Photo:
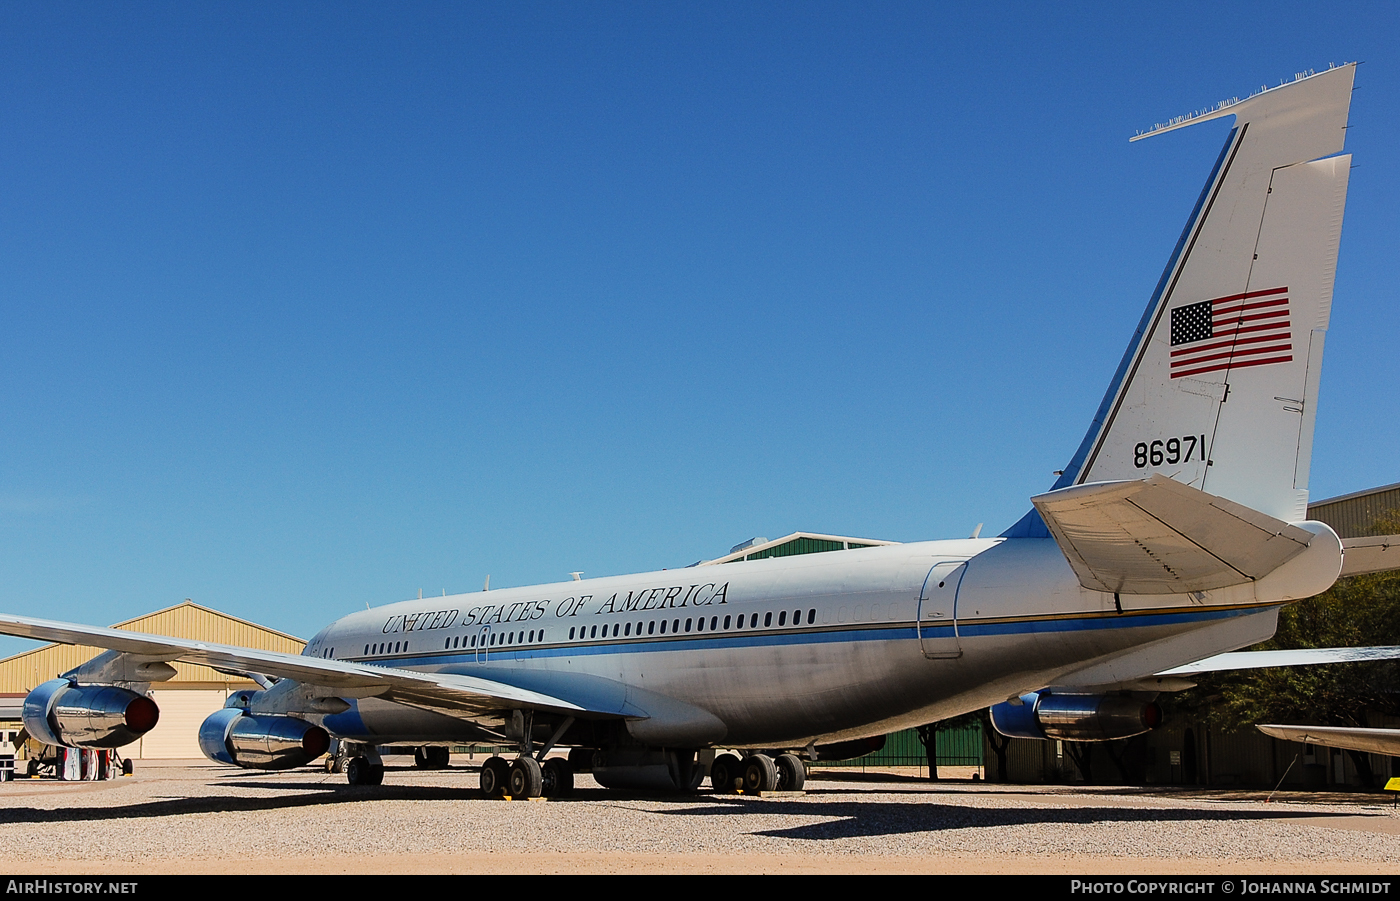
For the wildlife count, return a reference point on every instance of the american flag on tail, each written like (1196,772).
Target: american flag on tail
(1250,329)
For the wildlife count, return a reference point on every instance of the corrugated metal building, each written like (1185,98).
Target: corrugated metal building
(1355,515)
(184,701)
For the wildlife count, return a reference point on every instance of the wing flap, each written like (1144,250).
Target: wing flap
(1158,536)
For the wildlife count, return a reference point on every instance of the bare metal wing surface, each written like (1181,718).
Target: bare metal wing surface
(444,692)
(1237,660)
(1374,741)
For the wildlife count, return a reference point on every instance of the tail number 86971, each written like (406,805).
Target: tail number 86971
(1170,451)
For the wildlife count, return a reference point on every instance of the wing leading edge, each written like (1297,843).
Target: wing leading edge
(459,695)
(1374,741)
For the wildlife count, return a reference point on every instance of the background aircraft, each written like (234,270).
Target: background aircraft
(1175,533)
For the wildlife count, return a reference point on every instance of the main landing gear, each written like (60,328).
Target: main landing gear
(529,775)
(525,778)
(758,773)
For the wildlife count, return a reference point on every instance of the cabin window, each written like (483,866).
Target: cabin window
(726,622)
(663,627)
(651,627)
(811,616)
(782,618)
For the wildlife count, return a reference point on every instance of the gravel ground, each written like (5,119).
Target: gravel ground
(209,819)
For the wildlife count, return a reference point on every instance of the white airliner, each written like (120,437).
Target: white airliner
(1175,533)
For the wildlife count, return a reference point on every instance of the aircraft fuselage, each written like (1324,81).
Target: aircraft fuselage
(784,651)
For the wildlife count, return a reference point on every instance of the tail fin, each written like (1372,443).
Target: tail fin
(1219,387)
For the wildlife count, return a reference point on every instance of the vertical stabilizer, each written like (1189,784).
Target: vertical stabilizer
(1219,386)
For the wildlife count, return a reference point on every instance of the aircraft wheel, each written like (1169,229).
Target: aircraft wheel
(495,773)
(359,771)
(792,773)
(557,778)
(526,778)
(723,771)
(760,773)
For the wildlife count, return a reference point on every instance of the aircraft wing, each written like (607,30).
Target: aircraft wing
(1158,536)
(1299,657)
(1372,554)
(456,695)
(1374,741)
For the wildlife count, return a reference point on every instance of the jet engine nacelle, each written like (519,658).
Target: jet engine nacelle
(65,713)
(261,742)
(1075,717)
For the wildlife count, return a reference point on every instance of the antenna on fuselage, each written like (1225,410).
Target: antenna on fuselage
(977,531)
(487,586)
(578,576)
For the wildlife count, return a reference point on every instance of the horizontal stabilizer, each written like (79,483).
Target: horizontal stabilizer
(1237,660)
(1375,741)
(1372,554)
(1158,536)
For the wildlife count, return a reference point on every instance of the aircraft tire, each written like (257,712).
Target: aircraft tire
(760,773)
(557,778)
(526,778)
(792,773)
(495,774)
(359,771)
(723,771)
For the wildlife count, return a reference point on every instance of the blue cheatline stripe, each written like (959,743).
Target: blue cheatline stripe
(893,632)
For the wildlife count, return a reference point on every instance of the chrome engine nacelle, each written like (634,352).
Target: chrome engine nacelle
(261,742)
(1076,717)
(66,713)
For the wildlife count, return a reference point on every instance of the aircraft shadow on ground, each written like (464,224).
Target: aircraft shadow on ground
(842,818)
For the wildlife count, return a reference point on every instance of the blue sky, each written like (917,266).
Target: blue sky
(308,306)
